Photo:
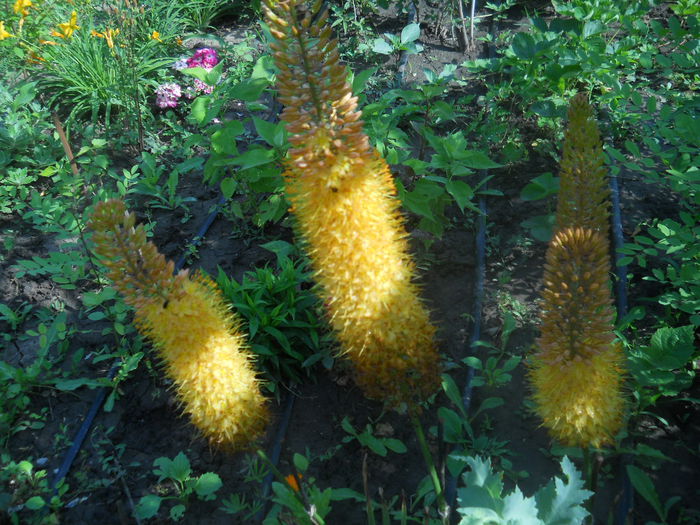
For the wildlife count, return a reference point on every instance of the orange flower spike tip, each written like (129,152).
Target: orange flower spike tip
(342,192)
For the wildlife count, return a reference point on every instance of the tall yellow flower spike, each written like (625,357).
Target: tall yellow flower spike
(577,371)
(584,193)
(198,339)
(343,197)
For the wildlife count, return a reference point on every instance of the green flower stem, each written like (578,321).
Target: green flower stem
(442,504)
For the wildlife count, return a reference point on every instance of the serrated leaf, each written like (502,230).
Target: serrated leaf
(207,485)
(560,502)
(148,506)
(517,509)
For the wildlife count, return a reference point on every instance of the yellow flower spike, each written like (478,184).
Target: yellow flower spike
(577,372)
(198,339)
(343,197)
(584,193)
(3,32)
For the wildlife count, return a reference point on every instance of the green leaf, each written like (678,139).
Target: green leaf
(643,484)
(300,462)
(382,47)
(250,89)
(177,512)
(462,193)
(254,157)
(524,46)
(560,502)
(395,445)
(410,33)
(477,160)
(228,187)
(451,390)
(35,503)
(540,187)
(148,506)
(541,226)
(206,486)
(371,442)
(198,109)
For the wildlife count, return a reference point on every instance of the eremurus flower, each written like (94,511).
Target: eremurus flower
(198,339)
(343,199)
(577,371)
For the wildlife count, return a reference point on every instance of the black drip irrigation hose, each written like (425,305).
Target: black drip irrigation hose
(477,307)
(82,433)
(275,456)
(626,503)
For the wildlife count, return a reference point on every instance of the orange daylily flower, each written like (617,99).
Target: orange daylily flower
(3,32)
(22,7)
(108,35)
(66,29)
(293,482)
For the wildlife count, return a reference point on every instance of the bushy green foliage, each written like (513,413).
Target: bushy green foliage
(283,319)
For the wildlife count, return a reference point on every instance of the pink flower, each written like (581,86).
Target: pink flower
(167,95)
(205,57)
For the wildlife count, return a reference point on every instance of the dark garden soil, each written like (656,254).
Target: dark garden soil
(114,467)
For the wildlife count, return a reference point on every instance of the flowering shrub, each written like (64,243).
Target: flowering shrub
(168,94)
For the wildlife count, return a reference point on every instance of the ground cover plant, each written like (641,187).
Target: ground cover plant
(349,262)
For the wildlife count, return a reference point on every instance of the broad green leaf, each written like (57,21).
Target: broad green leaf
(35,503)
(148,506)
(462,193)
(207,485)
(381,46)
(300,462)
(524,46)
(410,33)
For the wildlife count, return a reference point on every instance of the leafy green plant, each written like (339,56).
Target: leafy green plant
(25,493)
(391,44)
(482,501)
(665,367)
(178,473)
(377,444)
(282,319)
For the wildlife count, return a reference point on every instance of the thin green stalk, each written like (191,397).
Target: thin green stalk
(443,509)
